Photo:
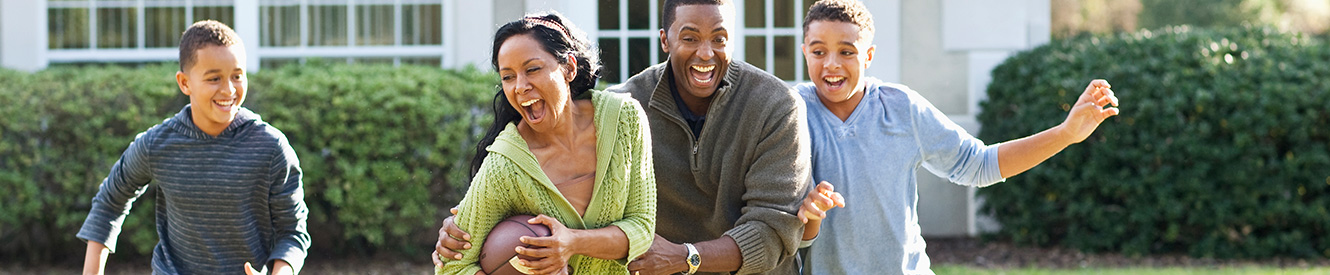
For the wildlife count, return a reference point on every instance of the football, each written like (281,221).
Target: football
(498,255)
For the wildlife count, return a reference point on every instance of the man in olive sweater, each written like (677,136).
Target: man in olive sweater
(730,144)
(731,152)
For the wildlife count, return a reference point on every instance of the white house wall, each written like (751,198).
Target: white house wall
(22,47)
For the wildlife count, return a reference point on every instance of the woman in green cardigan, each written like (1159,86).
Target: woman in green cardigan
(579,159)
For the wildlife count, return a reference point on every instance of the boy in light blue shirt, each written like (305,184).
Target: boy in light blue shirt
(869,137)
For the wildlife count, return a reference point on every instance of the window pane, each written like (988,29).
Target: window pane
(639,15)
(327,25)
(609,14)
(639,55)
(421,25)
(224,14)
(117,28)
(273,63)
(279,26)
(785,51)
(374,25)
(755,51)
(784,10)
(609,56)
(373,60)
(423,61)
(754,14)
(164,26)
(67,28)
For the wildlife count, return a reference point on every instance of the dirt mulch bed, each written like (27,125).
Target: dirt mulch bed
(976,253)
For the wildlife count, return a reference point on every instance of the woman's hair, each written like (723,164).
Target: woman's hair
(558,37)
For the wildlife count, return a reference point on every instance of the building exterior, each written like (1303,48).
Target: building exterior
(942,48)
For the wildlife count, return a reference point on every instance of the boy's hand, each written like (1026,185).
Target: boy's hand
(1090,110)
(822,198)
(249,269)
(279,267)
(451,239)
(94,260)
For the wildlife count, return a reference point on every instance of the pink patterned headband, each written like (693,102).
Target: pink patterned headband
(549,24)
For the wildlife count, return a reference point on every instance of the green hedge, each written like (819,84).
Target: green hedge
(384,149)
(1221,149)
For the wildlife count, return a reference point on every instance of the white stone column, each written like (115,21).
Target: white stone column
(473,34)
(887,36)
(23,35)
(247,26)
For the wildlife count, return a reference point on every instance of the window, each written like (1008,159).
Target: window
(360,31)
(628,37)
(772,32)
(127,24)
(768,36)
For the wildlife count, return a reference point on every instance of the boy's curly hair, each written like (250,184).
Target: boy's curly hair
(202,34)
(848,11)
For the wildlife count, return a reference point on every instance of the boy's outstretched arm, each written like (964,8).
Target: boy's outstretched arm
(1091,109)
(814,208)
(94,261)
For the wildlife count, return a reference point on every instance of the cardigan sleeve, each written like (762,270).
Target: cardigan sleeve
(639,221)
(487,201)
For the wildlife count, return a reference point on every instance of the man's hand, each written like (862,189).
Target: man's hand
(664,257)
(451,239)
(552,252)
(822,198)
(1090,110)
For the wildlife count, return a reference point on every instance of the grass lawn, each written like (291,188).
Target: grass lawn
(961,269)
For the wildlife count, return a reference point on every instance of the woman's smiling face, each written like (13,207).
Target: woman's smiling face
(535,82)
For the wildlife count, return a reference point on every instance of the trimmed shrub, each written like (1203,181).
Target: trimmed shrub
(1221,149)
(384,149)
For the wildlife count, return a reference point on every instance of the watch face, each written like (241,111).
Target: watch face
(694,260)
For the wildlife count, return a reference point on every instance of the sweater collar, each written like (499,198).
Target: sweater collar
(183,122)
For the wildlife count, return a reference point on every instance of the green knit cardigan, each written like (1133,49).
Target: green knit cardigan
(510,182)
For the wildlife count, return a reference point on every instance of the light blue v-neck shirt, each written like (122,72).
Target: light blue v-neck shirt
(871,158)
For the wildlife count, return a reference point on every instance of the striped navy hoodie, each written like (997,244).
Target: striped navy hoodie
(221,201)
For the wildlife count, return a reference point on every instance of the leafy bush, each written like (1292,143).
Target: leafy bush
(1222,148)
(383,149)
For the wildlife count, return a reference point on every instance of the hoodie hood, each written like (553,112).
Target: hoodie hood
(183,123)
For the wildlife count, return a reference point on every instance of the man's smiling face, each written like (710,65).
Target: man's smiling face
(698,44)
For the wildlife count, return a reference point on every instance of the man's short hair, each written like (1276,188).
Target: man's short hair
(202,34)
(848,11)
(671,5)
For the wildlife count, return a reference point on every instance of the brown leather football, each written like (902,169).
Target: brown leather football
(502,241)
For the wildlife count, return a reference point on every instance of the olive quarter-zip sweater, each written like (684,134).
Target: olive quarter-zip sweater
(221,201)
(743,176)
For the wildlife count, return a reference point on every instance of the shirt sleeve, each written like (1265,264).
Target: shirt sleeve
(949,151)
(288,211)
(485,204)
(127,181)
(639,222)
(768,230)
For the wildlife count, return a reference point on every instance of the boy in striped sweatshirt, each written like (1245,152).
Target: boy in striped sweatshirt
(228,184)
